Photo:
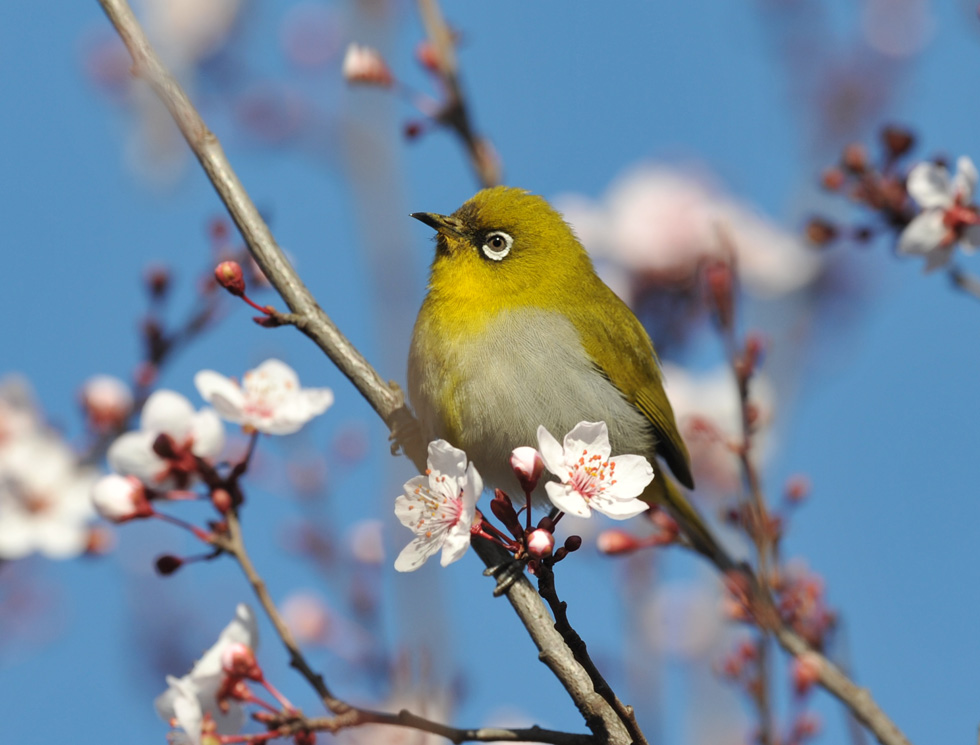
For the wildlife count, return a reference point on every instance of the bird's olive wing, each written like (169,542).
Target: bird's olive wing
(620,347)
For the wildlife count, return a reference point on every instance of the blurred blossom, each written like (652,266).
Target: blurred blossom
(310,34)
(682,619)
(166,413)
(660,224)
(202,683)
(107,402)
(269,398)
(18,413)
(366,542)
(308,617)
(365,66)
(186,32)
(948,215)
(120,498)
(44,497)
(898,28)
(709,417)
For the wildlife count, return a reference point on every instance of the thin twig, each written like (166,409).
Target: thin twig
(966,282)
(546,586)
(346,715)
(389,403)
(455,112)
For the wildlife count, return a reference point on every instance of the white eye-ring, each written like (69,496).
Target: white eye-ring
(498,245)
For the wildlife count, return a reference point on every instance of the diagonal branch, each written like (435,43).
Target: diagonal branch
(387,400)
(390,405)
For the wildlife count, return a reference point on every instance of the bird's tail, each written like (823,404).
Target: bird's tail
(664,491)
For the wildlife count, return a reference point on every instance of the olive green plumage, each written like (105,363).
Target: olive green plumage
(518,330)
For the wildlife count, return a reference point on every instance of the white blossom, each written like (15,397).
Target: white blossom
(588,478)
(439,508)
(201,684)
(44,497)
(947,215)
(268,400)
(167,413)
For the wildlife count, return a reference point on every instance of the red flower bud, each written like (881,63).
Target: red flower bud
(229,275)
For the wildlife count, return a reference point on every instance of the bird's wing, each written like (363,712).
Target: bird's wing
(636,372)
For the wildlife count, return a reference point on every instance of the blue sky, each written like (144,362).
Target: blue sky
(883,422)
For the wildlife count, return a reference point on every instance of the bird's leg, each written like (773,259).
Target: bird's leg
(506,573)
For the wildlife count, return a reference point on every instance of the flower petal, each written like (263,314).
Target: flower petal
(965,180)
(132,455)
(167,411)
(619,509)
(208,433)
(407,507)
(278,373)
(938,258)
(590,436)
(928,184)
(924,234)
(455,543)
(292,413)
(567,499)
(415,554)
(224,394)
(552,453)
(632,475)
(445,460)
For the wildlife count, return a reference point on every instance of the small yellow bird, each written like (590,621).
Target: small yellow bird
(517,331)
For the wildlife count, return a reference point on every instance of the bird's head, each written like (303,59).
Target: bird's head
(504,241)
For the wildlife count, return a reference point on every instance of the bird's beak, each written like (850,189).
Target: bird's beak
(441,223)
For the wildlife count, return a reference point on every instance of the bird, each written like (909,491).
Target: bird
(517,330)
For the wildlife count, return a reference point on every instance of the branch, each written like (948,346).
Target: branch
(546,587)
(389,403)
(387,400)
(346,715)
(455,113)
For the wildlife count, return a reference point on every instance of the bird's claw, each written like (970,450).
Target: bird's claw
(506,574)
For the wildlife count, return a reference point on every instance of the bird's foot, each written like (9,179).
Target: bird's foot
(506,573)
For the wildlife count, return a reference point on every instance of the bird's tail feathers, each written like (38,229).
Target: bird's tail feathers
(664,491)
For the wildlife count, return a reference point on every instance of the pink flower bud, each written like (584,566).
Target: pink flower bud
(107,402)
(797,489)
(221,500)
(805,671)
(540,543)
(528,467)
(120,498)
(238,660)
(366,66)
(229,275)
(614,542)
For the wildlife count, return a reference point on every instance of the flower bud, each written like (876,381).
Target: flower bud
(897,140)
(573,543)
(229,275)
(120,498)
(221,500)
(528,467)
(805,672)
(720,281)
(797,489)
(366,66)
(503,509)
(238,660)
(821,232)
(165,447)
(305,737)
(540,543)
(855,158)
(832,179)
(615,542)
(157,278)
(107,402)
(168,564)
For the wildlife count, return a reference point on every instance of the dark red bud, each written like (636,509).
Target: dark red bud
(168,564)
(221,500)
(164,446)
(218,229)
(504,511)
(897,140)
(573,543)
(157,280)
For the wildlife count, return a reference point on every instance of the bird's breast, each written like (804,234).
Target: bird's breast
(487,392)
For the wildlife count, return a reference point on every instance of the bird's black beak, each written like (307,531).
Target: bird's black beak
(440,223)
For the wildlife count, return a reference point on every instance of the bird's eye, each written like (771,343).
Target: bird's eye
(497,245)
